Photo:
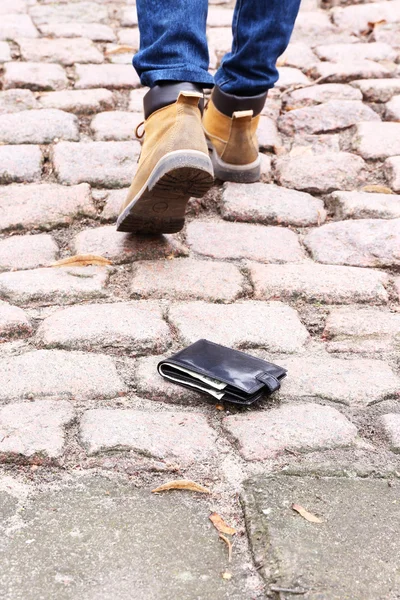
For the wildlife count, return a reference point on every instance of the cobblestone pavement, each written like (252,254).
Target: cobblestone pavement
(302,268)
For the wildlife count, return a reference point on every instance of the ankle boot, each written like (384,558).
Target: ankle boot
(174,163)
(230,123)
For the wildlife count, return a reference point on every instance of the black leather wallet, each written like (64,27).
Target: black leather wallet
(223,373)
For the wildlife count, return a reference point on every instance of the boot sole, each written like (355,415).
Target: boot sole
(160,206)
(249,173)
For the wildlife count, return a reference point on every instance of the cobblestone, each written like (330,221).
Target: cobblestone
(120,248)
(16,100)
(392,172)
(391,425)
(34,428)
(81,12)
(289,76)
(178,437)
(116,125)
(342,72)
(114,200)
(184,279)
(330,284)
(103,164)
(317,94)
(352,382)
(46,206)
(378,90)
(351,52)
(270,205)
(38,127)
(299,56)
(93,31)
(333,171)
(358,17)
(16,26)
(5,54)
(267,133)
(13,7)
(107,76)
(363,205)
(65,51)
(377,140)
(392,112)
(20,164)
(302,428)
(352,329)
(57,285)
(80,101)
(278,326)
(57,373)
(151,385)
(27,251)
(35,76)
(363,243)
(14,322)
(240,241)
(137,327)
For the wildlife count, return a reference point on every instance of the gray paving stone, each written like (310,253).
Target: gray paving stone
(355,382)
(357,18)
(333,171)
(116,125)
(349,52)
(27,252)
(324,92)
(391,425)
(101,537)
(392,171)
(377,140)
(136,327)
(267,134)
(20,164)
(362,243)
(14,26)
(13,322)
(107,76)
(175,437)
(219,17)
(326,117)
(120,247)
(187,279)
(314,22)
(289,76)
(54,285)
(392,112)
(38,127)
(270,205)
(66,51)
(298,55)
(52,373)
(315,557)
(151,385)
(365,205)
(129,36)
(342,72)
(312,144)
(352,329)
(240,241)
(129,17)
(378,90)
(5,53)
(35,76)
(301,428)
(388,33)
(103,164)
(330,284)
(278,328)
(113,203)
(80,101)
(81,12)
(13,7)
(119,58)
(16,100)
(34,428)
(136,99)
(93,31)
(42,206)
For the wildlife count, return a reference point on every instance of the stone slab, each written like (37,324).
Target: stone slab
(391,426)
(78,101)
(16,100)
(81,12)
(317,94)
(13,26)
(34,76)
(64,51)
(345,71)
(377,141)
(391,168)
(392,112)
(365,205)
(14,322)
(38,127)
(43,206)
(5,53)
(115,125)
(274,325)
(378,90)
(358,17)
(93,31)
(378,51)
(20,164)
(107,76)
(325,559)
(27,252)
(46,373)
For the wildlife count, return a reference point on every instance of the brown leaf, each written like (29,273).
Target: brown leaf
(305,514)
(182,484)
(229,544)
(379,189)
(119,50)
(220,524)
(82,260)
(219,407)
(373,24)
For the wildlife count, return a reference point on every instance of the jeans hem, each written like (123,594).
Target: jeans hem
(202,78)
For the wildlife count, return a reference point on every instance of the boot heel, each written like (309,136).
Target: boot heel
(249,173)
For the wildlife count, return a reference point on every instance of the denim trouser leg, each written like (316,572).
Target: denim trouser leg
(173,43)
(261,32)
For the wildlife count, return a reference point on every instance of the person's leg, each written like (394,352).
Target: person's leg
(261,33)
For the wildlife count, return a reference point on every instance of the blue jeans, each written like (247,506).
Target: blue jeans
(173,44)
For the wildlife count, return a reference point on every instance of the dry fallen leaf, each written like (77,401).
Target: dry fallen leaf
(220,524)
(182,484)
(226,575)
(305,514)
(219,407)
(380,189)
(119,50)
(82,260)
(373,24)
(229,544)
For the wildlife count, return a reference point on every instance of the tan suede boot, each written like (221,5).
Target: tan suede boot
(230,124)
(174,165)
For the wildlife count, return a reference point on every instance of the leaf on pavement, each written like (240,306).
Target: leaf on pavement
(119,50)
(305,514)
(220,524)
(82,260)
(182,484)
(226,575)
(380,189)
(229,544)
